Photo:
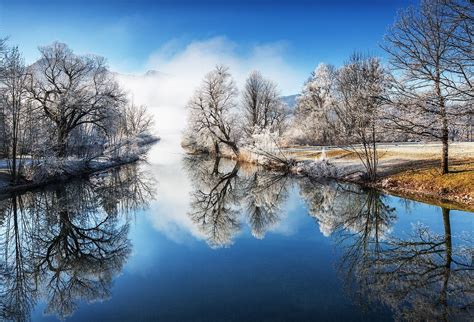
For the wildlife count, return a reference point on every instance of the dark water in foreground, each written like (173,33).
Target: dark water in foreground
(196,241)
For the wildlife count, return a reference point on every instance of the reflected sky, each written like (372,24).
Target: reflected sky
(189,239)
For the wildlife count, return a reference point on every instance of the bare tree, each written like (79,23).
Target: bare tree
(459,15)
(73,90)
(210,111)
(136,120)
(360,86)
(3,127)
(13,81)
(262,106)
(430,47)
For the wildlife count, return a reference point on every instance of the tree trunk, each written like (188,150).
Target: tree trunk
(235,149)
(449,259)
(215,170)
(447,235)
(444,157)
(217,151)
(14,170)
(61,144)
(444,123)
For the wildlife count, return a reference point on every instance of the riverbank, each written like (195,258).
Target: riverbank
(83,171)
(409,170)
(456,187)
(65,170)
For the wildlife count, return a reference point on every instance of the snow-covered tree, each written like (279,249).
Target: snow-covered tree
(431,47)
(72,91)
(314,106)
(361,85)
(262,107)
(211,113)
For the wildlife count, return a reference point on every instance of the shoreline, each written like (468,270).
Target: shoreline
(386,184)
(86,173)
(426,196)
(429,197)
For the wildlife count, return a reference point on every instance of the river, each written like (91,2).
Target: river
(184,238)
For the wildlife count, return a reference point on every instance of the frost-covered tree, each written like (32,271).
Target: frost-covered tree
(129,132)
(262,107)
(73,90)
(361,85)
(211,113)
(314,106)
(13,95)
(431,48)
(3,127)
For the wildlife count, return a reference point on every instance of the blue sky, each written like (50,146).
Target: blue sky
(129,32)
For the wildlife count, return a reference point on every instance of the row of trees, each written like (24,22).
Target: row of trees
(216,118)
(424,91)
(63,105)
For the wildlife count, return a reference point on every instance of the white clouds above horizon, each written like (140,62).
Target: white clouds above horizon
(182,68)
(196,58)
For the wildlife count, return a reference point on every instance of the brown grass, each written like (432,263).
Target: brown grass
(351,155)
(460,180)
(457,185)
(305,155)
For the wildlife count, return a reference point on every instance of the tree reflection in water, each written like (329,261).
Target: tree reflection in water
(222,190)
(423,276)
(65,244)
(420,276)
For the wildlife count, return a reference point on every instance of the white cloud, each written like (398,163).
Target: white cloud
(181,70)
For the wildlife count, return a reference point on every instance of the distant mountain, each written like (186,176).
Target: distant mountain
(147,75)
(290,100)
(153,73)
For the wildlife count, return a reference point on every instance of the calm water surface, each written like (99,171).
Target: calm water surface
(194,240)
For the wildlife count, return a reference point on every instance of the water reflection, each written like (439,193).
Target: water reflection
(348,209)
(422,276)
(223,192)
(65,244)
(419,276)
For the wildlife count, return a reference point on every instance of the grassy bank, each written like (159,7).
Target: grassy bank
(429,184)
(409,170)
